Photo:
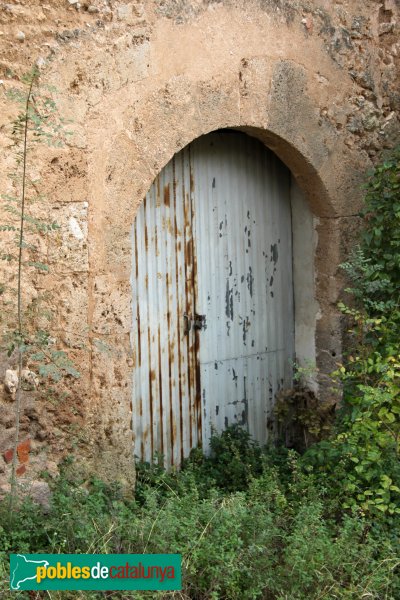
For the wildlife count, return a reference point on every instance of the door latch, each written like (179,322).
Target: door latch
(199,322)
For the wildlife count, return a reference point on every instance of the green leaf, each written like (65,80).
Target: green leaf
(37,265)
(8,228)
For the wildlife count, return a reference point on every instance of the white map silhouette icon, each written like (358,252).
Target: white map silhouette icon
(14,581)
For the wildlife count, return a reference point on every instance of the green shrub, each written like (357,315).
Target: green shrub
(380,242)
(273,538)
(361,460)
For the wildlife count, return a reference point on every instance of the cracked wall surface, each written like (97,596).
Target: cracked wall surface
(316,80)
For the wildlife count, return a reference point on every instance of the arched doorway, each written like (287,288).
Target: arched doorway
(212,295)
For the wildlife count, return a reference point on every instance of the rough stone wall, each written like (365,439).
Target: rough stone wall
(316,80)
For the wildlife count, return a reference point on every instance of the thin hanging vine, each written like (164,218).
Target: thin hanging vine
(37,122)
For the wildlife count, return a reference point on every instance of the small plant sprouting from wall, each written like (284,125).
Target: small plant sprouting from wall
(36,123)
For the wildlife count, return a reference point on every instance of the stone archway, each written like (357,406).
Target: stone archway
(138,95)
(314,155)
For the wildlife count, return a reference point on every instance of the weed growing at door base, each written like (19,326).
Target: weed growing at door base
(270,530)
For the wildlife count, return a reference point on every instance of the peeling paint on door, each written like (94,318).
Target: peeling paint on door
(212,295)
(250,332)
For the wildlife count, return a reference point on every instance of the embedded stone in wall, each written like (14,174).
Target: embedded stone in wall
(69,246)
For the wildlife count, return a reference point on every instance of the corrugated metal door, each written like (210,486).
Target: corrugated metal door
(212,295)
(166,400)
(244,255)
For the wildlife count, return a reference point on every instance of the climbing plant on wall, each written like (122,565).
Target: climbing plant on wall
(37,122)
(363,457)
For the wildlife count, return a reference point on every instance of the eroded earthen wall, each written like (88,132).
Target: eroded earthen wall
(316,80)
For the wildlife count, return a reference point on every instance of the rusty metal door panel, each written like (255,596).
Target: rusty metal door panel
(212,238)
(243,245)
(165,406)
